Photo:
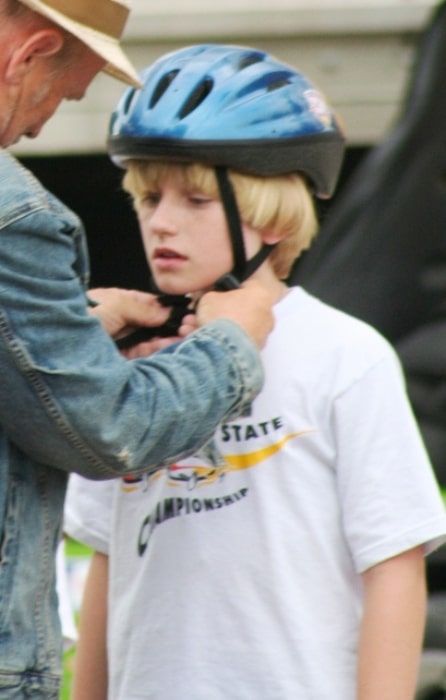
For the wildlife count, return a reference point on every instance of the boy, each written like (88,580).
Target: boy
(287,560)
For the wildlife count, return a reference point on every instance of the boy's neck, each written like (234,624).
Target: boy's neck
(268,279)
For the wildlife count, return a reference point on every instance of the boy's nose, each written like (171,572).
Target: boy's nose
(162,220)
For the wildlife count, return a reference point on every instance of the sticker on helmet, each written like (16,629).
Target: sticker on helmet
(318,107)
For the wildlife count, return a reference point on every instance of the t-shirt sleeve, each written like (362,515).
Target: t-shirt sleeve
(88,511)
(390,498)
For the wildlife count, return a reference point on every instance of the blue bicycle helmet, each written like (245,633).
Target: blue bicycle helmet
(230,107)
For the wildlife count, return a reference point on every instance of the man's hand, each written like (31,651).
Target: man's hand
(250,307)
(122,311)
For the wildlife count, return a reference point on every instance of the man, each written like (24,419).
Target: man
(68,400)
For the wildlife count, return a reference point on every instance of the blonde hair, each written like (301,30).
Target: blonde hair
(280,205)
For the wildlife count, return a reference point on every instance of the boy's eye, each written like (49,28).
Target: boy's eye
(151,199)
(199,199)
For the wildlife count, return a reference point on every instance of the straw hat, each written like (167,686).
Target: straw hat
(99,24)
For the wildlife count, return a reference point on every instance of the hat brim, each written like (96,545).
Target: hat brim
(107,47)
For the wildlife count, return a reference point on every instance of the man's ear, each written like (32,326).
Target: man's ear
(40,44)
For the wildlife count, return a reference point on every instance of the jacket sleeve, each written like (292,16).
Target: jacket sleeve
(67,397)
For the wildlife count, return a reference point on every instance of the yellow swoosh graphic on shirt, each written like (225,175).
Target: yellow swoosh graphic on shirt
(251,459)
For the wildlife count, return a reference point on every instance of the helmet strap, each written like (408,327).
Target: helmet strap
(242,268)
(233,218)
(258,259)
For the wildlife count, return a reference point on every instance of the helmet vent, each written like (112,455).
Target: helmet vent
(196,97)
(128,100)
(162,86)
(247,61)
(276,84)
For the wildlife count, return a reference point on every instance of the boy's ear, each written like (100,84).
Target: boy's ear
(40,44)
(271,237)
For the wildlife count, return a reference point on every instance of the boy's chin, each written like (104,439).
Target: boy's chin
(172,290)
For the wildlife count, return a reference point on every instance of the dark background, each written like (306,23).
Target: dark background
(91,186)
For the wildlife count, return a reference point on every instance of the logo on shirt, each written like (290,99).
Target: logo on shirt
(193,472)
(210,467)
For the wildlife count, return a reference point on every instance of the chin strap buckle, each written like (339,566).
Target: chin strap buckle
(180,308)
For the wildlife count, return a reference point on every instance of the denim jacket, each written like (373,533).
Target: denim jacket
(70,402)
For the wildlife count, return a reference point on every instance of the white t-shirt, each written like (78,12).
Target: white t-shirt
(241,580)
(65,602)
